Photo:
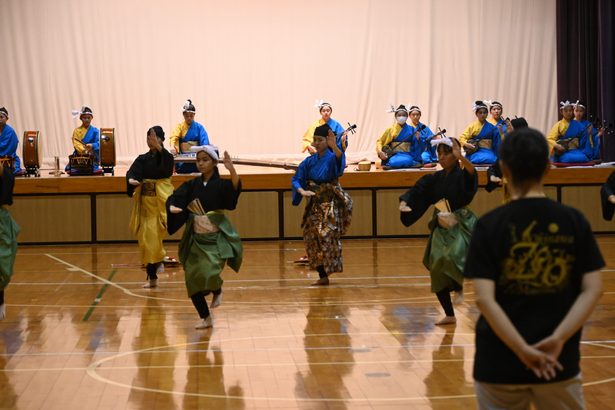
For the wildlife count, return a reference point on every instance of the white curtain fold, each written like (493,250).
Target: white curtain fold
(254,68)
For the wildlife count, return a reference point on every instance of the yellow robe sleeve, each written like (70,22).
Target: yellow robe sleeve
(472,130)
(308,137)
(178,131)
(556,132)
(387,136)
(78,135)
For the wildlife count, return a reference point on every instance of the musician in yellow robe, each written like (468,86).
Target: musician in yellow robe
(188,132)
(149,183)
(86,139)
(325,110)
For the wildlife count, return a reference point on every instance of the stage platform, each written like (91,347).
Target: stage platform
(94,209)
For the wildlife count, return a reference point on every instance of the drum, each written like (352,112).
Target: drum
(364,166)
(31,151)
(81,164)
(107,147)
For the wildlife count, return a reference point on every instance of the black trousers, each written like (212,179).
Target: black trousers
(444,297)
(1,297)
(199,302)
(151,269)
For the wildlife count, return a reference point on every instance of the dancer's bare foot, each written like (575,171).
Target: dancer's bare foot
(447,320)
(458,297)
(321,282)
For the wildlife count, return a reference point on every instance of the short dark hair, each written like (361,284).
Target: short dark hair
(526,154)
(158,131)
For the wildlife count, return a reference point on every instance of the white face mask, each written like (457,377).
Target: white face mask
(401,119)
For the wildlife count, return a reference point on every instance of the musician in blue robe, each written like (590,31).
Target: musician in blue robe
(186,134)
(400,145)
(480,139)
(424,135)
(325,109)
(329,208)
(567,137)
(9,141)
(496,109)
(592,141)
(86,140)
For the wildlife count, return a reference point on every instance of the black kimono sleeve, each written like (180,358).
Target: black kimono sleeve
(418,198)
(180,198)
(608,189)
(230,195)
(134,172)
(468,188)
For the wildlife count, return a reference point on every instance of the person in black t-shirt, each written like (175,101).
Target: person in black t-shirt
(535,267)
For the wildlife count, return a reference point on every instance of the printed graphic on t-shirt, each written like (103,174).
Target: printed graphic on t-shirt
(538,262)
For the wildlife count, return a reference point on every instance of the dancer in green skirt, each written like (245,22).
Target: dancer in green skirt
(209,240)
(451,190)
(8,233)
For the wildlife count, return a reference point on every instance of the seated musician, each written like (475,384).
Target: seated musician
(9,142)
(428,151)
(592,142)
(399,146)
(187,134)
(86,140)
(567,137)
(480,139)
(496,109)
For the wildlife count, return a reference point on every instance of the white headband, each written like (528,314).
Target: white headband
(414,109)
(396,110)
(564,104)
(321,103)
(78,113)
(578,104)
(493,104)
(209,149)
(476,107)
(187,105)
(443,140)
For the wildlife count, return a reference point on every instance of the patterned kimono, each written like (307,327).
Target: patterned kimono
(195,133)
(486,138)
(148,221)
(204,255)
(82,137)
(327,214)
(572,135)
(8,229)
(335,126)
(407,149)
(446,248)
(8,146)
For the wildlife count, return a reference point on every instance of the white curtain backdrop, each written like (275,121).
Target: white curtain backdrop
(254,68)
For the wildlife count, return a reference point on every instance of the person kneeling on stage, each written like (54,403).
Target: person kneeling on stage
(209,240)
(8,233)
(329,208)
(568,137)
(9,142)
(399,147)
(86,141)
(187,134)
(480,139)
(149,183)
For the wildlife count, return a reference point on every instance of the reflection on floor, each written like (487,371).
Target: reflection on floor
(81,333)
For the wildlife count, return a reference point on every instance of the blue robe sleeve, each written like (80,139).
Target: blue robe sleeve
(300,181)
(203,137)
(8,142)
(95,139)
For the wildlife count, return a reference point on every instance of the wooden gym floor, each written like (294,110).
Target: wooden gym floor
(81,333)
